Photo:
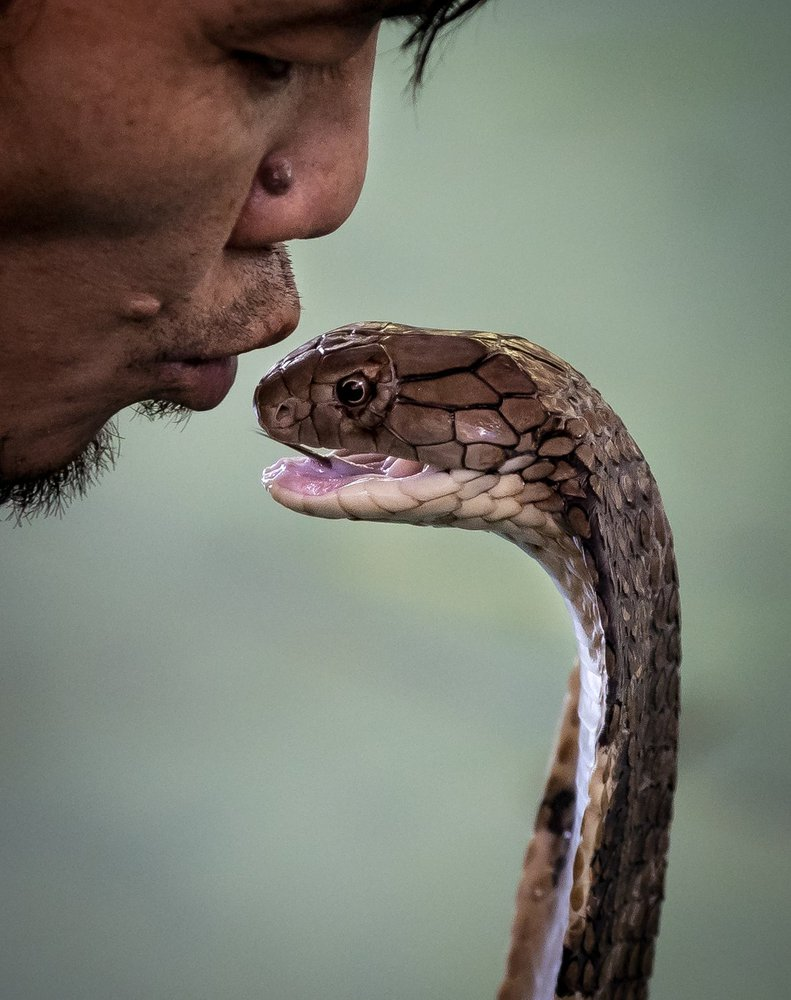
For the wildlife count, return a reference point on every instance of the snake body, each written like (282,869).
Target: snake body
(482,431)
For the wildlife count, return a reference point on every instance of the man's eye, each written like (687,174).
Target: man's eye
(272,70)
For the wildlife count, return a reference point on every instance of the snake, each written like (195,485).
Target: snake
(495,433)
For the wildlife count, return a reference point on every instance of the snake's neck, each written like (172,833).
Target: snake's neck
(609,946)
(557,867)
(588,904)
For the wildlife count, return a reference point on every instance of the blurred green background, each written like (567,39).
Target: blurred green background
(249,755)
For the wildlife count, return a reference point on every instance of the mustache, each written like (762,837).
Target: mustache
(266,288)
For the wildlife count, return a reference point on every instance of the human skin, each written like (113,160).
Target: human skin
(154,156)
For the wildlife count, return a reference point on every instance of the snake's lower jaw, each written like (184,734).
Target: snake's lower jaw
(382,488)
(366,487)
(284,484)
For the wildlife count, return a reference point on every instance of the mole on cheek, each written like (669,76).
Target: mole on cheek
(141,307)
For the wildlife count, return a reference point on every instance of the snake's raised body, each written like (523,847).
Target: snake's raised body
(495,433)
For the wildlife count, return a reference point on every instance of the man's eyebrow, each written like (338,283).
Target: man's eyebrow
(358,11)
(404,8)
(350,13)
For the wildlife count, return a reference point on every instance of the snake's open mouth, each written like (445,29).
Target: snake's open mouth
(376,487)
(344,484)
(321,473)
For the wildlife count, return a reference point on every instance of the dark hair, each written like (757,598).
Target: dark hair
(436,15)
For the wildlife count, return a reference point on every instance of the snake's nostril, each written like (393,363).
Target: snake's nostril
(284,414)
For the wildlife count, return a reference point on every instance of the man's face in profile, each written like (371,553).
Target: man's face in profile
(153,159)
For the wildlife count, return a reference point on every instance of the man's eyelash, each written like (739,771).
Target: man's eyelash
(271,70)
(280,70)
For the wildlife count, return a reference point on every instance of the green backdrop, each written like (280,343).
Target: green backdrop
(248,755)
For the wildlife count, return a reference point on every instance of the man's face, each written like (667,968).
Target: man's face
(154,155)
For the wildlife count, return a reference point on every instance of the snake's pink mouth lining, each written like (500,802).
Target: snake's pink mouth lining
(321,476)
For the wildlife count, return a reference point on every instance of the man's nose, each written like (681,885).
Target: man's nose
(308,184)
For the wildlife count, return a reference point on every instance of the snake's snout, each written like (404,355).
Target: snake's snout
(278,412)
(329,395)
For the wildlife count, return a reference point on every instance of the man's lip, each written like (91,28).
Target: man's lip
(199,384)
(198,359)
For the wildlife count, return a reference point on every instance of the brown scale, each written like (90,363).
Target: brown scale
(477,400)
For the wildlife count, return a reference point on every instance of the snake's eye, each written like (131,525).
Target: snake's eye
(354,390)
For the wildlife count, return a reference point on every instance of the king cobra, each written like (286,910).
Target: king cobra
(495,433)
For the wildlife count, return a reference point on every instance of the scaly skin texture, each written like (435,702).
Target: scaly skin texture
(517,442)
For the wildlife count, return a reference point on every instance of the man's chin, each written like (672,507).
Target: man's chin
(46,493)
(51,492)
